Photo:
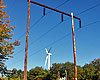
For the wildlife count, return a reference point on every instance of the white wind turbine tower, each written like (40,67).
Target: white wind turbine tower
(48,58)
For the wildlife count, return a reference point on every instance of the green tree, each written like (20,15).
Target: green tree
(36,73)
(80,73)
(6,46)
(20,74)
(69,67)
(96,64)
(56,71)
(89,71)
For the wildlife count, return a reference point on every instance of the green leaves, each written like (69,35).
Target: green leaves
(37,73)
(87,72)
(6,46)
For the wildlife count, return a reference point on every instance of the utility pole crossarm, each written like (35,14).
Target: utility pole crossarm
(54,9)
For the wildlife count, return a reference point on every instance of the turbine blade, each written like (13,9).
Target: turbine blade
(46,50)
(49,50)
(46,60)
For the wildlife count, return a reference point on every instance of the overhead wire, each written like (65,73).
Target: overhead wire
(88,9)
(58,40)
(63,3)
(41,36)
(66,36)
(46,32)
(78,28)
(76,14)
(90,23)
(42,17)
(59,5)
(35,23)
(40,20)
(29,29)
(60,23)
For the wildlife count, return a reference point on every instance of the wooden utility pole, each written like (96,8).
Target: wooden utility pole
(27,37)
(74,49)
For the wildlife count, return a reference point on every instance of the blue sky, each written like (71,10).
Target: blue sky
(47,31)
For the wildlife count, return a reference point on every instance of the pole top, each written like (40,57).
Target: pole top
(72,13)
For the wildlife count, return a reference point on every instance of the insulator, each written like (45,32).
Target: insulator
(44,11)
(62,17)
(80,23)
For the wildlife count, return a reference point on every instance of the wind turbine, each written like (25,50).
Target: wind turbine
(48,58)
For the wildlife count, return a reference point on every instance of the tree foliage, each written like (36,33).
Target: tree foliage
(87,72)
(36,73)
(6,46)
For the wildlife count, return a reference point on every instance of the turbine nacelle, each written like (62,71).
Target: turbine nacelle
(48,51)
(49,54)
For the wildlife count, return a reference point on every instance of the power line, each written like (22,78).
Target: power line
(42,35)
(38,22)
(46,32)
(61,39)
(32,26)
(65,36)
(50,44)
(29,29)
(41,19)
(84,12)
(91,23)
(56,7)
(60,5)
(63,3)
(53,9)
(88,9)
(76,14)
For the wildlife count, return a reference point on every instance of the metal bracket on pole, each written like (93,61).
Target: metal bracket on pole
(62,17)
(44,11)
(80,23)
